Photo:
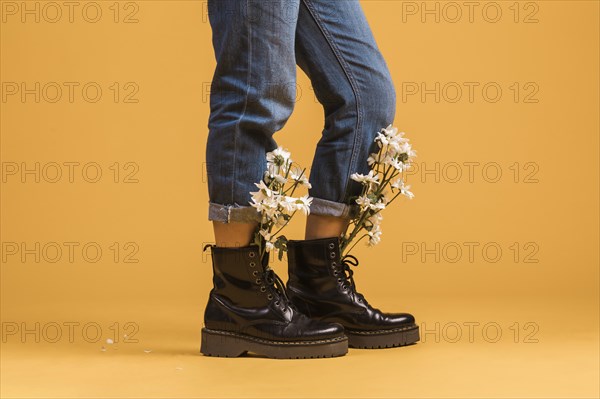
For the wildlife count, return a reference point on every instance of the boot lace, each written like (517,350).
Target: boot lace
(276,288)
(348,262)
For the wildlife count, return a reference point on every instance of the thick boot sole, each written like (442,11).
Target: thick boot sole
(228,344)
(383,338)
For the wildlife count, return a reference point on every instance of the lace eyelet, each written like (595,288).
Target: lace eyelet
(263,288)
(345,287)
(335,272)
(269,297)
(276,303)
(258,281)
(333,264)
(252,254)
(332,255)
(331,245)
(339,280)
(252,264)
(255,273)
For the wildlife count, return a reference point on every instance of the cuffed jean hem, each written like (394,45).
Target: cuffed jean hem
(323,207)
(232,213)
(247,214)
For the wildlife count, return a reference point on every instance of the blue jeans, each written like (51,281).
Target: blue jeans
(257,46)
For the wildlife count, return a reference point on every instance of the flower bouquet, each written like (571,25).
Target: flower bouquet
(380,187)
(276,204)
(275,201)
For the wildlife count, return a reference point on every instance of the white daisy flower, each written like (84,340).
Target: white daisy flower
(278,156)
(378,206)
(407,149)
(300,178)
(303,204)
(371,178)
(381,140)
(269,246)
(396,164)
(280,179)
(263,192)
(374,237)
(363,201)
(373,159)
(404,190)
(288,204)
(265,234)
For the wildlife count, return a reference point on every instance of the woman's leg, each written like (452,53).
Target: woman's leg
(233,234)
(252,96)
(336,49)
(320,226)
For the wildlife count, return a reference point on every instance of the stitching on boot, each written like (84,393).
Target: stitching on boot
(322,341)
(382,332)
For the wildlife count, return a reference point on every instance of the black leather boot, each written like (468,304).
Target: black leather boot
(321,286)
(248,311)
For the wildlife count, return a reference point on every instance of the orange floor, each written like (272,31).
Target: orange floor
(556,355)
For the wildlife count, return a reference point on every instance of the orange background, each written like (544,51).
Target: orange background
(155,207)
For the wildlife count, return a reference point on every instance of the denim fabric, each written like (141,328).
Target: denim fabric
(257,46)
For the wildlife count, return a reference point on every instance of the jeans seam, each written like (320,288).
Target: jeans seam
(237,125)
(351,80)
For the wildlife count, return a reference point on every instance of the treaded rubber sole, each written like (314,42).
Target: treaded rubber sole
(383,338)
(228,344)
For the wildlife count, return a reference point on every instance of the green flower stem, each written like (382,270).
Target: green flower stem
(357,227)
(286,223)
(296,183)
(356,242)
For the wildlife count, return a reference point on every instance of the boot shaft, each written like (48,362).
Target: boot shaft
(315,264)
(237,275)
